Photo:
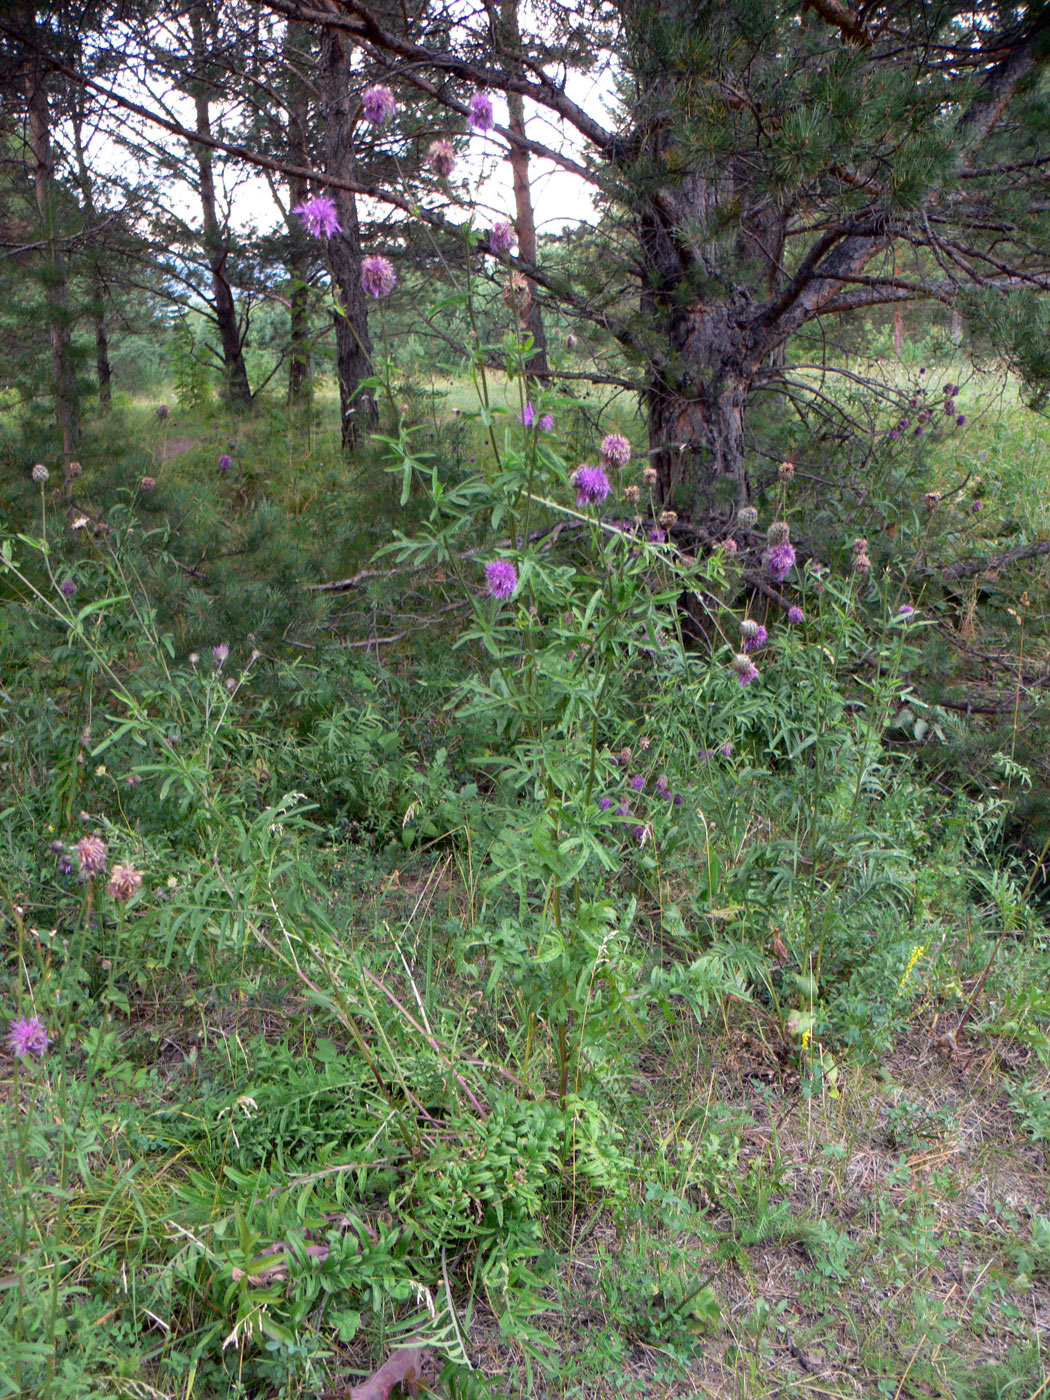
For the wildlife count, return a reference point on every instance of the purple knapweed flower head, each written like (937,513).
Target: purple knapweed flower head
(592,485)
(502,238)
(225,462)
(527,416)
(481,115)
(547,423)
(147,484)
(441,157)
(663,785)
(729,546)
(726,750)
(893,435)
(744,668)
(378,104)
(639,833)
(778,533)
(68,587)
(678,799)
(780,560)
(903,423)
(27,1036)
(91,853)
(616,450)
(638,782)
(757,639)
(918,431)
(796,615)
(623,809)
(960,420)
(905,610)
(605,803)
(377,276)
(123,883)
(319,215)
(65,866)
(501,578)
(657,536)
(220,655)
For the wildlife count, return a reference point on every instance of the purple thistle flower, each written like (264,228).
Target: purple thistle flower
(547,423)
(726,750)
(441,157)
(623,809)
(481,115)
(960,420)
(638,782)
(320,216)
(502,238)
(657,536)
(592,485)
(745,669)
(605,803)
(893,435)
(527,416)
(918,431)
(68,588)
(795,616)
(91,852)
(377,276)
(678,799)
(501,578)
(225,462)
(757,640)
(780,560)
(616,450)
(27,1036)
(902,424)
(638,832)
(65,866)
(663,785)
(905,610)
(378,104)
(220,655)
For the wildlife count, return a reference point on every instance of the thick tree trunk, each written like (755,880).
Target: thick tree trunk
(67,410)
(299,366)
(353,342)
(223,305)
(524,218)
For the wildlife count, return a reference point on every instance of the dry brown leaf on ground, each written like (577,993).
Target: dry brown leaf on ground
(402,1368)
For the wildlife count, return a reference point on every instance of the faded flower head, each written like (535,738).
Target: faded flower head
(786,471)
(91,853)
(27,1036)
(220,655)
(502,238)
(319,216)
(795,616)
(592,485)
(481,115)
(778,533)
(747,516)
(745,669)
(650,477)
(632,495)
(378,104)
(40,474)
(377,276)
(147,484)
(225,462)
(780,560)
(932,500)
(729,546)
(668,518)
(163,411)
(616,450)
(441,157)
(861,564)
(860,545)
(501,578)
(123,882)
(68,588)
(74,470)
(516,294)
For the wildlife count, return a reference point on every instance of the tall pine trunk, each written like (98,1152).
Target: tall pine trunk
(98,285)
(224,307)
(299,366)
(353,342)
(64,385)
(524,217)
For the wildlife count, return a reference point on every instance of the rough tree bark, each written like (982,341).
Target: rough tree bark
(64,385)
(215,246)
(519,163)
(353,342)
(98,285)
(299,365)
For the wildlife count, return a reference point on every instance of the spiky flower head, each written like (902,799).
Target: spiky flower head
(147,484)
(650,477)
(657,536)
(745,669)
(862,564)
(501,579)
(320,216)
(225,462)
(780,560)
(778,533)
(68,588)
(860,545)
(749,628)
(441,157)
(747,517)
(932,500)
(40,474)
(786,471)
(905,610)
(91,853)
(796,615)
(616,450)
(220,655)
(378,104)
(502,238)
(377,276)
(27,1036)
(638,782)
(481,115)
(729,546)
(123,882)
(592,485)
(668,518)
(632,495)
(516,294)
